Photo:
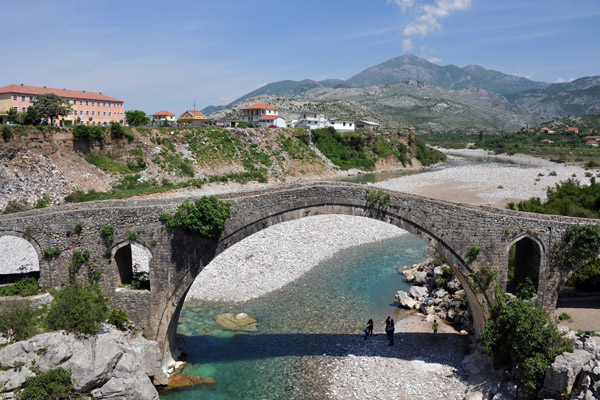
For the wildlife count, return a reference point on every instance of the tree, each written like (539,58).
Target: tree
(50,106)
(136,117)
(523,336)
(31,116)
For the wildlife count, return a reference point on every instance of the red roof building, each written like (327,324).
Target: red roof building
(89,108)
(572,129)
(256,111)
(191,116)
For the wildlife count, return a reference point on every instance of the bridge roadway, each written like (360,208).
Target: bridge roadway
(178,258)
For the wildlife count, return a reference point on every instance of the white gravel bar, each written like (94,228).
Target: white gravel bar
(275,256)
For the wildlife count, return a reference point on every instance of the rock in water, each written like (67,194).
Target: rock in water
(240,322)
(404,299)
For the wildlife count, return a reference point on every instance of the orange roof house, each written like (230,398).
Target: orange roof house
(88,108)
(256,111)
(163,116)
(573,129)
(191,116)
(592,143)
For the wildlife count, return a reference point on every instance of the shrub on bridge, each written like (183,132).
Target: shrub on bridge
(204,217)
(25,287)
(78,308)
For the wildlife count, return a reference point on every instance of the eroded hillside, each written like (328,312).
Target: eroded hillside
(44,166)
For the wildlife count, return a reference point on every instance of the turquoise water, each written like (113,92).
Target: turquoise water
(305,320)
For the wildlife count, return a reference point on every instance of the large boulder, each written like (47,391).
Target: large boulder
(409,275)
(14,378)
(405,300)
(561,374)
(420,278)
(440,294)
(419,293)
(453,285)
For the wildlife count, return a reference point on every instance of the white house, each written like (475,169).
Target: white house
(311,120)
(272,120)
(163,116)
(256,111)
(341,126)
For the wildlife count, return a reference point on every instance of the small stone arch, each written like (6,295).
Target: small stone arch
(19,258)
(132,261)
(525,255)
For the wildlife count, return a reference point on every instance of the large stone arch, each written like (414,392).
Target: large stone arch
(167,327)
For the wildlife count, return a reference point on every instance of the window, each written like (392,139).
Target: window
(105,113)
(104,104)
(87,113)
(16,108)
(15,97)
(92,102)
(80,102)
(22,98)
(75,112)
(87,103)
(24,108)
(93,112)
(30,98)
(109,103)
(109,113)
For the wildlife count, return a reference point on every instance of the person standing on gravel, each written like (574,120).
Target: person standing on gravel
(435,327)
(389,329)
(369,329)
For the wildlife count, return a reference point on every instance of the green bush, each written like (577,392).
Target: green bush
(7,133)
(522,336)
(19,319)
(205,216)
(118,131)
(472,253)
(43,201)
(108,232)
(54,384)
(83,132)
(51,252)
(24,287)
(132,236)
(119,318)
(78,308)
(526,289)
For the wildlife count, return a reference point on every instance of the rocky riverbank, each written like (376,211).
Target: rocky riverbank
(111,365)
(437,294)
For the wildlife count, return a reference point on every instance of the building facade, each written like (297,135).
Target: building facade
(256,111)
(88,108)
(341,125)
(311,120)
(272,120)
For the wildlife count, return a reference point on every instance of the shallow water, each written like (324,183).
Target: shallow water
(303,320)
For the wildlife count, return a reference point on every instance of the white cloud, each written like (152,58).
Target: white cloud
(561,80)
(404,4)
(407,45)
(435,60)
(427,21)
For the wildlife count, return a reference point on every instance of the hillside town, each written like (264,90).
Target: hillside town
(97,109)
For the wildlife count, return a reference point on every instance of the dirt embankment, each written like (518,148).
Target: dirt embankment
(47,162)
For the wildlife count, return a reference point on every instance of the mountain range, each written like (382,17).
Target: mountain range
(409,90)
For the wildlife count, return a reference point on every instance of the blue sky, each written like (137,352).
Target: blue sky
(166,55)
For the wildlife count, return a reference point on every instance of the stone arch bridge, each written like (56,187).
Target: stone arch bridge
(176,258)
